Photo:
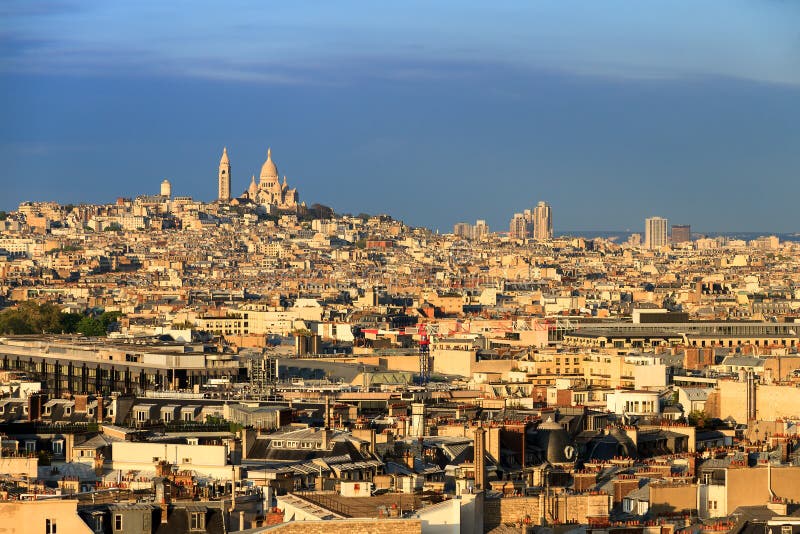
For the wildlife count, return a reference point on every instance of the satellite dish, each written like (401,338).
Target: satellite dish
(569,452)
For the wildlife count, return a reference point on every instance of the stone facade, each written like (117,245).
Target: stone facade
(561,508)
(351,526)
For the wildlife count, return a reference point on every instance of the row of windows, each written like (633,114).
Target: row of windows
(566,361)
(143,416)
(295,444)
(739,343)
(197,521)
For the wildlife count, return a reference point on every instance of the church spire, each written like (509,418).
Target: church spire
(224,177)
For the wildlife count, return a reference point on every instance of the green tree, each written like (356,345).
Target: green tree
(90,327)
(107,318)
(46,317)
(698,418)
(69,322)
(31,317)
(12,322)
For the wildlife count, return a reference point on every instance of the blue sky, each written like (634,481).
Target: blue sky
(434,112)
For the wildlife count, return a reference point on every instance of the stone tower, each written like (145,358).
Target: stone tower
(224,177)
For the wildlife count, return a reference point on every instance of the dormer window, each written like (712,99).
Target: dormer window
(197,521)
(277,444)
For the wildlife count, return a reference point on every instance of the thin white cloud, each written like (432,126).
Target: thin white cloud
(284,45)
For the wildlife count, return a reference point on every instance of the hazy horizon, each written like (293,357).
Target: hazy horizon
(435,114)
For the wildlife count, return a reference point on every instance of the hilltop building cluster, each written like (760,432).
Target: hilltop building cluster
(269,192)
(263,366)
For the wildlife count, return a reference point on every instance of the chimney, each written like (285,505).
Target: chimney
(36,404)
(233,489)
(622,486)
(479,448)
(785,450)
(418,414)
(80,403)
(99,460)
(326,437)
(100,412)
(584,481)
(69,447)
(751,397)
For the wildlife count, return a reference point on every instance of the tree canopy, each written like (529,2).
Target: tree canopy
(31,317)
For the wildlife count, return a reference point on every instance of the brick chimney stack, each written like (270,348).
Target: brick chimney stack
(479,448)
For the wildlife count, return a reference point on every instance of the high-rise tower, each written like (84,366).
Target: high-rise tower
(224,177)
(542,222)
(681,233)
(518,228)
(655,233)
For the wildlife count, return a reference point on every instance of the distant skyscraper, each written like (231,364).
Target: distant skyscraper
(480,229)
(542,222)
(655,232)
(528,214)
(518,229)
(681,233)
(463,229)
(224,177)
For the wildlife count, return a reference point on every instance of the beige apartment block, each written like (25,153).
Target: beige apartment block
(249,321)
(748,486)
(208,460)
(459,357)
(776,401)
(44,516)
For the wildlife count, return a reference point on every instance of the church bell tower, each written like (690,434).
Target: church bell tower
(224,177)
